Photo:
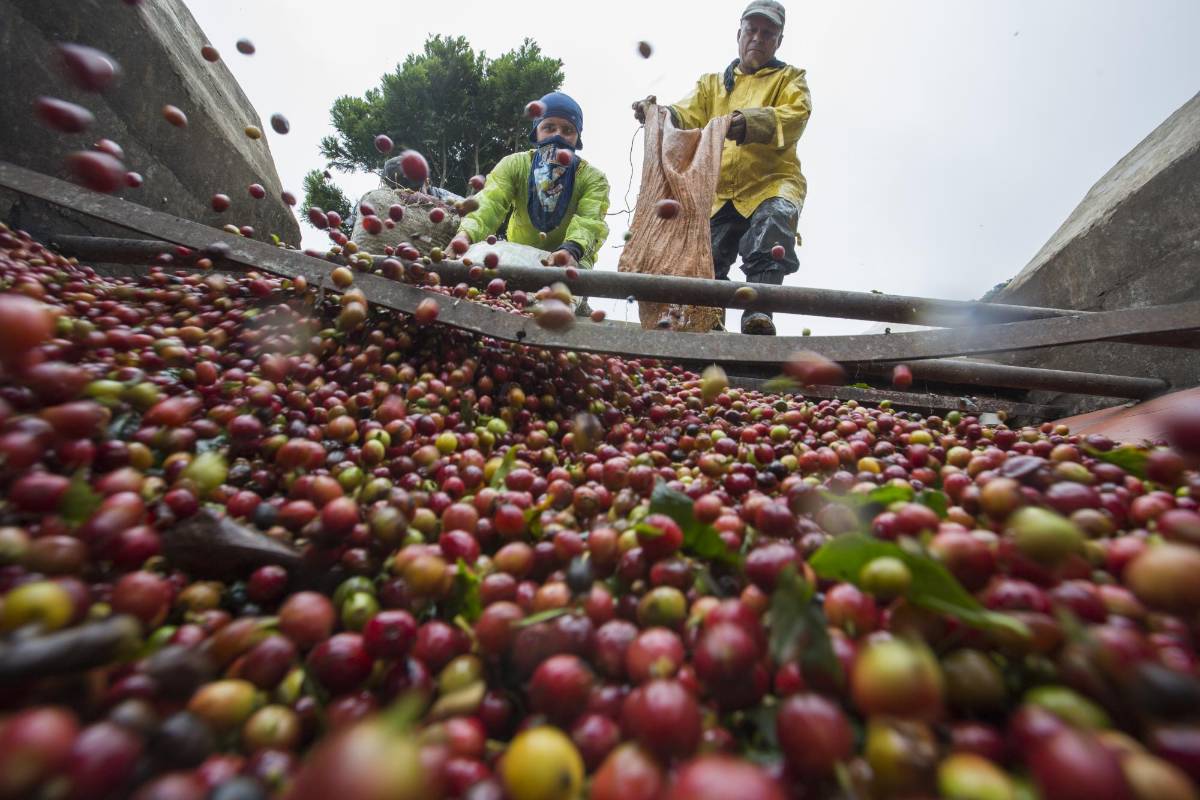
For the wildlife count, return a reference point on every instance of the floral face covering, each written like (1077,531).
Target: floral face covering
(551,183)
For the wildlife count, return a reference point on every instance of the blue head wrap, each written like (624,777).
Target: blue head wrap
(557,104)
(551,183)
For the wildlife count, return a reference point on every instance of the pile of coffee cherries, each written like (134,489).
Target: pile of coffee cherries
(259,542)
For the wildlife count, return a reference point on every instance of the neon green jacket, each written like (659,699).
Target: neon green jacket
(507,189)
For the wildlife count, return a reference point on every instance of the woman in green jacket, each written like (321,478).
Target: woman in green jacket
(557,200)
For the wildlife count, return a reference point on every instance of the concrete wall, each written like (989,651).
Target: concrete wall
(158,47)
(1133,241)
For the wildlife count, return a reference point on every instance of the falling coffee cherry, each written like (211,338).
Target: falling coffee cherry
(777,252)
(109,146)
(477,182)
(317,218)
(436,216)
(535,109)
(62,116)
(97,171)
(288,198)
(396,212)
(210,54)
(554,315)
(1182,428)
(257,191)
(372,225)
(220,202)
(745,294)
(564,157)
(598,315)
(427,310)
(383,143)
(902,376)
(644,49)
(814,369)
(414,166)
(667,209)
(280,124)
(175,116)
(133,180)
(246,47)
(88,68)
(253,132)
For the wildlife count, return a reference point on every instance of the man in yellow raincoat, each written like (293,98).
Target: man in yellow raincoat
(761,189)
(557,200)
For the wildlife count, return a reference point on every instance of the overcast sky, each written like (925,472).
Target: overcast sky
(949,138)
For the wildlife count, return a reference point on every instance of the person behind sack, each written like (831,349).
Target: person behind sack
(394,178)
(761,189)
(555,206)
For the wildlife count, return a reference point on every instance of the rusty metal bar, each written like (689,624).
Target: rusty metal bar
(728,349)
(660,288)
(665,288)
(912,401)
(110,250)
(986,373)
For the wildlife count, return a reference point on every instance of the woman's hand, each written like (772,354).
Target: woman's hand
(563,258)
(460,244)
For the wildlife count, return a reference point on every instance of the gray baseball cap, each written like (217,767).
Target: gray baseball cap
(766,8)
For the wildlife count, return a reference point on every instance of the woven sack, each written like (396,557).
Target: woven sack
(681,165)
(416,228)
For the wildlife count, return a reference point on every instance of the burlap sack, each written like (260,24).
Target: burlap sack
(682,165)
(416,228)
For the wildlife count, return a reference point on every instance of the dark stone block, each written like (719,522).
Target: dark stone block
(1134,241)
(158,47)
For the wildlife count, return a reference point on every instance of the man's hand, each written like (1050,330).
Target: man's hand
(737,128)
(639,108)
(563,258)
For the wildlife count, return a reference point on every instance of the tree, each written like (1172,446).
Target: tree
(322,193)
(462,110)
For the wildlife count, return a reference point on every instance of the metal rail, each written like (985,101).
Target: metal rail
(609,338)
(912,401)
(697,291)
(972,373)
(990,374)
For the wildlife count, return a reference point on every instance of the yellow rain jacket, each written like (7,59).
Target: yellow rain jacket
(776,104)
(507,189)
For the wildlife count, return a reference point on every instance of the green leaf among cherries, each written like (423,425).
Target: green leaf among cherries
(506,466)
(1130,458)
(466,599)
(699,539)
(79,501)
(932,588)
(798,629)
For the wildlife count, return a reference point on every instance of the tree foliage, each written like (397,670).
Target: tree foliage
(326,195)
(461,109)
